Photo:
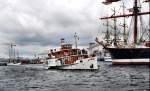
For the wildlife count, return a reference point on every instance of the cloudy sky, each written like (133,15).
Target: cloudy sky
(37,25)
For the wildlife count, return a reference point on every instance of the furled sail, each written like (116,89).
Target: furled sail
(106,2)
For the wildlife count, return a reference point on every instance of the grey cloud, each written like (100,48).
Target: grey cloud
(41,23)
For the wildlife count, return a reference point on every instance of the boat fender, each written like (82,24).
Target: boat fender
(81,61)
(91,66)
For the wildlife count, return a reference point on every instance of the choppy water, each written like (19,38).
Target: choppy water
(108,78)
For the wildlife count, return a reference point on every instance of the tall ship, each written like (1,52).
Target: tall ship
(139,49)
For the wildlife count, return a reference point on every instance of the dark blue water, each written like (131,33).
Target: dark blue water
(107,78)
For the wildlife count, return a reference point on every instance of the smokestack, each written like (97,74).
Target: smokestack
(62,41)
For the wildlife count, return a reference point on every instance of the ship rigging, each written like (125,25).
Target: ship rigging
(128,51)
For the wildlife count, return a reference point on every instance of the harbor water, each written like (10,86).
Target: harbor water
(108,78)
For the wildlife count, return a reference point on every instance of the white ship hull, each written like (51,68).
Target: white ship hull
(83,64)
(14,64)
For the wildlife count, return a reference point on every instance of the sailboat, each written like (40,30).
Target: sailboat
(136,53)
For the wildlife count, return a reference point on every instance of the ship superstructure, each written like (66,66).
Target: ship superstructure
(70,58)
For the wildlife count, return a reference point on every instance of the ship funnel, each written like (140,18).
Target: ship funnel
(62,41)
(91,45)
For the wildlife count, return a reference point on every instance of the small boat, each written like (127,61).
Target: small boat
(104,56)
(70,58)
(3,64)
(82,64)
(108,59)
(14,64)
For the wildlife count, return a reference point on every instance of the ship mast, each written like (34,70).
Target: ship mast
(107,32)
(115,29)
(12,52)
(124,26)
(135,13)
(149,17)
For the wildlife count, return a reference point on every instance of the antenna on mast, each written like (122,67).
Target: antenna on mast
(76,40)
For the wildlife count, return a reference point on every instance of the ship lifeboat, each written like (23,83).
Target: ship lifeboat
(147,44)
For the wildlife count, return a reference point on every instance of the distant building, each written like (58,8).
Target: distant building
(94,48)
